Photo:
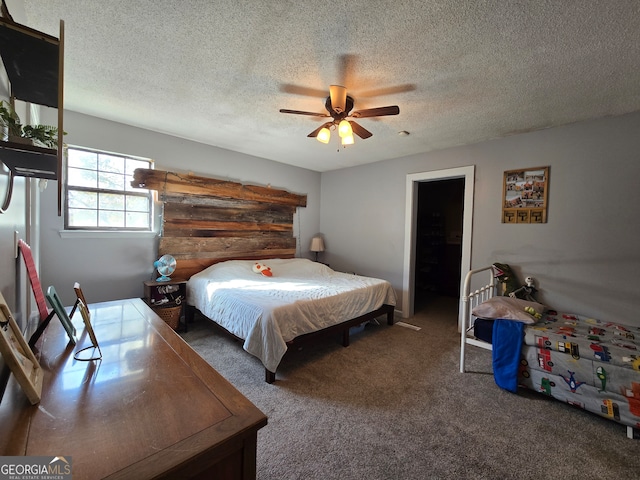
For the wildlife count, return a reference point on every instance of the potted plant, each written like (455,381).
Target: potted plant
(10,120)
(44,135)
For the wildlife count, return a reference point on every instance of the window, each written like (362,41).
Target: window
(99,195)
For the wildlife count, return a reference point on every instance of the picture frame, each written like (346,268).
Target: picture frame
(80,294)
(58,308)
(18,356)
(79,298)
(34,280)
(525,195)
(86,318)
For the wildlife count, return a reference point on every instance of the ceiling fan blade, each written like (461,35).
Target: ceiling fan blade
(378,92)
(338,96)
(377,112)
(304,91)
(360,130)
(299,112)
(317,130)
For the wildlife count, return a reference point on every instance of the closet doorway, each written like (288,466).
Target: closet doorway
(426,226)
(438,240)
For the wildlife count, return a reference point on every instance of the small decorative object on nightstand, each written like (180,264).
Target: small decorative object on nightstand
(166,298)
(165,265)
(317,245)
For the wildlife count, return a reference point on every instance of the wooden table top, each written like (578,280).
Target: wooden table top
(150,404)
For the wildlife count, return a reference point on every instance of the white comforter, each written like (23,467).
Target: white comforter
(301,297)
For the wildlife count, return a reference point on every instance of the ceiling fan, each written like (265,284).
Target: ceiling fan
(339,106)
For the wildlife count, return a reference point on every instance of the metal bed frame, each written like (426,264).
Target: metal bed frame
(469,300)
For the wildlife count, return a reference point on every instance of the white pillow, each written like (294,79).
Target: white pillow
(507,308)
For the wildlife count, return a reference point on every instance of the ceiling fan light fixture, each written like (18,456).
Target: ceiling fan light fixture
(338,95)
(348,140)
(344,129)
(338,106)
(324,135)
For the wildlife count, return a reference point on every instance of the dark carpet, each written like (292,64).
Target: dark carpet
(393,405)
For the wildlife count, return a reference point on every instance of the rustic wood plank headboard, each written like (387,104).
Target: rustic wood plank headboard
(207,220)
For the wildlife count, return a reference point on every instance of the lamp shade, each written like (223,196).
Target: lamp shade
(324,135)
(348,140)
(338,98)
(344,128)
(317,244)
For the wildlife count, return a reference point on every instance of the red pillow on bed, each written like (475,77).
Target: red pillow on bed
(507,308)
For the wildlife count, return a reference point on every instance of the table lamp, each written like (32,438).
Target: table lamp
(317,245)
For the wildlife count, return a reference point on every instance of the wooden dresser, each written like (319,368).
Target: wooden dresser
(151,408)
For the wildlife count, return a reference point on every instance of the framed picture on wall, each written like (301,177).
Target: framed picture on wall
(524,195)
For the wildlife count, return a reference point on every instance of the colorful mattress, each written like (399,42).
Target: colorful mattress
(585,362)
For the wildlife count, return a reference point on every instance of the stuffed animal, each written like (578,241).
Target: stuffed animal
(526,292)
(262,269)
(506,277)
(511,287)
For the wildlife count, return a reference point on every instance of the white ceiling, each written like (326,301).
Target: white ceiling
(217,72)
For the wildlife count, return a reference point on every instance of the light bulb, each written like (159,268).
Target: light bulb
(344,129)
(348,140)
(324,135)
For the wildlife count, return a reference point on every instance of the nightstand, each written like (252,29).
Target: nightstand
(167,299)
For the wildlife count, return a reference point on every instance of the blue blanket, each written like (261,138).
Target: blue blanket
(507,346)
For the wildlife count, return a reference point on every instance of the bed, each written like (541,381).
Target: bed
(585,362)
(298,302)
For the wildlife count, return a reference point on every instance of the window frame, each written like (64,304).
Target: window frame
(149,194)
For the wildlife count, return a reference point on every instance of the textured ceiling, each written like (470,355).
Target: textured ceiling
(217,72)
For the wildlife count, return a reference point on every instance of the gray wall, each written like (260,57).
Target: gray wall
(585,258)
(110,267)
(14,219)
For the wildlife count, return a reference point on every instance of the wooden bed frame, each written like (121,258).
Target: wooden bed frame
(342,328)
(208,220)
